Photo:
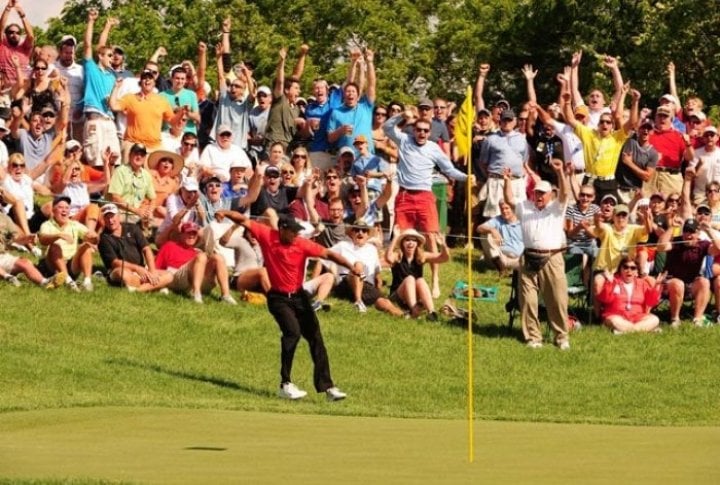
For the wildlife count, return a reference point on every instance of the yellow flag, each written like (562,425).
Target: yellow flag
(463,127)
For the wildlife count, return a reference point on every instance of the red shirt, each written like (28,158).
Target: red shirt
(670,146)
(174,255)
(285,263)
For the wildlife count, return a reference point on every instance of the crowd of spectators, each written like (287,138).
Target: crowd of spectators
(145,168)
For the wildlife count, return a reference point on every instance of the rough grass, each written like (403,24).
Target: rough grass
(113,348)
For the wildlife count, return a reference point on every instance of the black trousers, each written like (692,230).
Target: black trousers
(295,317)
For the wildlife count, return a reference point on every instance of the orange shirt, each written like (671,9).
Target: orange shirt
(145,116)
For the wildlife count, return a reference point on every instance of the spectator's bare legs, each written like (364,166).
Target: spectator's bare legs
(23,265)
(325,283)
(387,306)
(648,323)
(55,259)
(434,267)
(218,267)
(356,285)
(407,291)
(700,289)
(251,279)
(676,293)
(82,261)
(424,295)
(197,272)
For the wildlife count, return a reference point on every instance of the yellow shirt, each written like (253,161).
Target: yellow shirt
(614,243)
(601,154)
(74,228)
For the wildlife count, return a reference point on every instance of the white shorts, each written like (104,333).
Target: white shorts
(7,262)
(100,133)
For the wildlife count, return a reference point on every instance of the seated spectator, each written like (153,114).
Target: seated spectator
(81,209)
(363,290)
(502,243)
(212,200)
(69,246)
(182,206)
(579,218)
(273,198)
(127,256)
(131,186)
(249,273)
(685,257)
(288,175)
(301,165)
(96,179)
(22,186)
(407,258)
(334,226)
(192,269)
(189,152)
(165,169)
(627,299)
(11,265)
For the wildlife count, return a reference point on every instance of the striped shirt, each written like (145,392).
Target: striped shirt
(576,216)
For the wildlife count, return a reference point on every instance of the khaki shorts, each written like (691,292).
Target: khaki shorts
(182,280)
(100,133)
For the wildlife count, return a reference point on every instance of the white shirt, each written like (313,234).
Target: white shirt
(22,190)
(709,171)
(366,254)
(218,160)
(572,146)
(75,75)
(542,229)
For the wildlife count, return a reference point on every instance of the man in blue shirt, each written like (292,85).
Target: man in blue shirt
(318,114)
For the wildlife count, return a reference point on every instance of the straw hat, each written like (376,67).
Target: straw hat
(414,234)
(177,160)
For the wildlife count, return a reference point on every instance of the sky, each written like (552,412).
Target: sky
(39,11)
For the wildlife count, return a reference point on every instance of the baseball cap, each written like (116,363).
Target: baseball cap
(507,114)
(301,100)
(147,73)
(48,108)
(360,139)
(272,171)
(189,227)
(109,209)
(664,109)
(67,39)
(223,129)
(190,184)
(609,197)
(483,112)
(70,144)
(670,98)
(690,225)
(264,90)
(710,129)
(425,103)
(118,50)
(703,206)
(698,114)
(345,150)
(543,186)
(61,198)
(658,195)
(503,102)
(621,209)
(582,110)
(138,148)
(647,122)
(286,221)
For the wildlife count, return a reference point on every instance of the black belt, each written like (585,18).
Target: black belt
(544,251)
(412,191)
(97,116)
(500,176)
(672,171)
(286,294)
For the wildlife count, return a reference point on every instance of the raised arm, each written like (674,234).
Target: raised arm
(29,34)
(159,52)
(612,64)
(202,65)
(575,78)
(105,34)
(300,64)
(371,79)
(529,75)
(4,19)
(87,41)
(219,62)
(280,73)
(671,80)
(634,120)
(563,189)
(480,86)
(619,108)
(565,102)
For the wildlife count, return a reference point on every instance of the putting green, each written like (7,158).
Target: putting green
(211,446)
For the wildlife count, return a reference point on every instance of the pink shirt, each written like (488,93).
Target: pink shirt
(23,51)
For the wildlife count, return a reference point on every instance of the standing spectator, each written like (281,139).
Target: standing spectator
(285,258)
(284,119)
(318,114)
(75,75)
(579,219)
(217,157)
(638,159)
(12,43)
(415,206)
(181,98)
(258,119)
(705,166)
(354,117)
(100,131)
(673,148)
(542,266)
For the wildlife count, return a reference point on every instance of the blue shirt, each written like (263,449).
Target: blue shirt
(511,234)
(359,117)
(236,114)
(504,150)
(99,84)
(323,111)
(370,163)
(180,99)
(416,162)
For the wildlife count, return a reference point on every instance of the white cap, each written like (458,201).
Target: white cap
(345,150)
(70,144)
(264,89)
(671,98)
(66,38)
(109,209)
(543,186)
(190,184)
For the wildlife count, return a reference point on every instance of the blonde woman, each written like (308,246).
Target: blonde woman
(302,165)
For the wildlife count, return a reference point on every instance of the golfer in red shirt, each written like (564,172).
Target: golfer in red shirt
(285,255)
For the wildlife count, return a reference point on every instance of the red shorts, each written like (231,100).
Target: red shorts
(416,209)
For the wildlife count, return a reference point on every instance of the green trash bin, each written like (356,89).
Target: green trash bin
(439,189)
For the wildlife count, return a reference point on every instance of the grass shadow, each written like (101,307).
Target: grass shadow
(215,381)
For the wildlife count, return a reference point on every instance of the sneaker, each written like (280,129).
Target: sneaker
(291,391)
(132,289)
(36,251)
(326,307)
(12,279)
(316,306)
(98,274)
(360,306)
(675,323)
(702,322)
(164,291)
(618,332)
(73,286)
(197,298)
(432,317)
(335,394)
(534,345)
(56,281)
(564,345)
(228,299)
(87,285)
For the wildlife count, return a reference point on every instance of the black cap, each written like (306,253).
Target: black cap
(138,148)
(286,221)
(147,73)
(61,198)
(508,114)
(483,111)
(690,225)
(503,102)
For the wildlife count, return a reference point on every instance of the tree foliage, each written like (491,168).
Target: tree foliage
(425,47)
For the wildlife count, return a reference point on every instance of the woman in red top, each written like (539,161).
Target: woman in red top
(627,299)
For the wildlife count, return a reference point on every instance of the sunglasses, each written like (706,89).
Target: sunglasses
(48,115)
(395,110)
(605,122)
(17,165)
(607,202)
(710,134)
(422,130)
(236,86)
(621,214)
(712,191)
(300,156)
(13,32)
(630,267)
(272,175)
(331,177)
(360,229)
(38,68)
(676,201)
(166,160)
(703,212)
(424,108)
(583,194)
(213,185)
(287,172)
(380,113)
(191,145)
(152,71)
(226,134)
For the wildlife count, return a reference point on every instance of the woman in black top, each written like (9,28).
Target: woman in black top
(407,258)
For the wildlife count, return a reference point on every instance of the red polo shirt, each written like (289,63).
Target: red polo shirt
(285,263)
(670,146)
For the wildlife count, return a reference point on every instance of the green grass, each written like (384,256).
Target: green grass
(113,348)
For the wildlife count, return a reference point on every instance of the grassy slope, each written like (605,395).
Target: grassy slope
(115,348)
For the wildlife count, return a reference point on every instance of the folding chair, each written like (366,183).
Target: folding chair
(578,292)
